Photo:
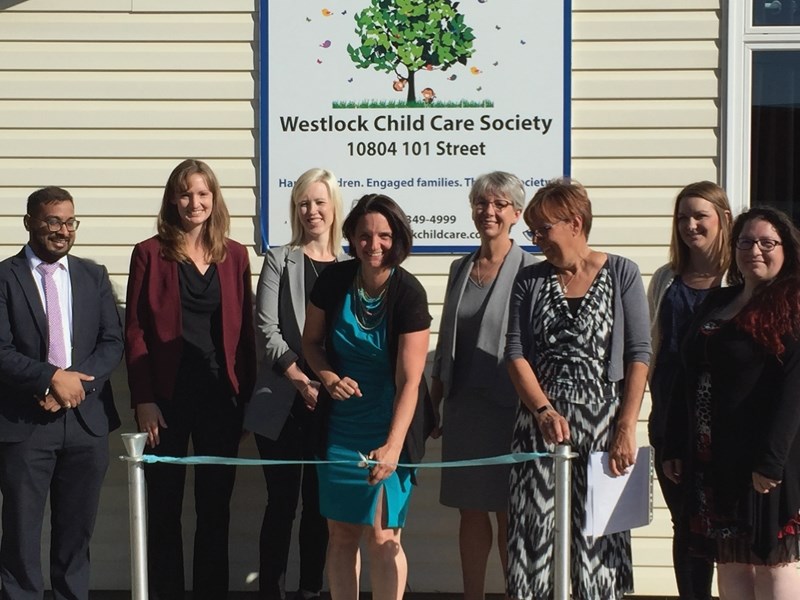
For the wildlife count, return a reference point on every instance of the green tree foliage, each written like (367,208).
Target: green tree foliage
(415,34)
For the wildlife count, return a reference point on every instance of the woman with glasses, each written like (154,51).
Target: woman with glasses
(470,375)
(577,349)
(734,419)
(699,257)
(190,352)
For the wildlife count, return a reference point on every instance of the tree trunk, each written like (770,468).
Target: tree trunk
(412,93)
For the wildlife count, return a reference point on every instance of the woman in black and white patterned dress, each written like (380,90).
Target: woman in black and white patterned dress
(578,347)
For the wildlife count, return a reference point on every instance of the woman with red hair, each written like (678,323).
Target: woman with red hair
(735,416)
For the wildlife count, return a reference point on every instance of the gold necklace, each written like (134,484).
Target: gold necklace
(565,284)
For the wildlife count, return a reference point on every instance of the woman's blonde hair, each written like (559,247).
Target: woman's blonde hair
(299,189)
(215,229)
(679,253)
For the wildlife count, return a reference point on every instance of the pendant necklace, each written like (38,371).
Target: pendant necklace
(565,284)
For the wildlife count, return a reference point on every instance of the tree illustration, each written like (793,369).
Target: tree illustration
(415,34)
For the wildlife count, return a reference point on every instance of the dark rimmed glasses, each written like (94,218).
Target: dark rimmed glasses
(542,231)
(764,244)
(54,224)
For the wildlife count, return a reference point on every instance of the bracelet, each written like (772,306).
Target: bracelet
(543,408)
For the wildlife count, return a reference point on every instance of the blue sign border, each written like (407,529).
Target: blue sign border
(263,130)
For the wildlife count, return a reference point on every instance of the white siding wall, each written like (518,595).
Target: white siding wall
(104,97)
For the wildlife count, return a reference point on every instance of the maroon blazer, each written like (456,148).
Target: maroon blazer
(153,323)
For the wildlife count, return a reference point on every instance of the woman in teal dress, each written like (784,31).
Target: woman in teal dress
(366,337)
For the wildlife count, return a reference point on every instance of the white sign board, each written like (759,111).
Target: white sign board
(413,99)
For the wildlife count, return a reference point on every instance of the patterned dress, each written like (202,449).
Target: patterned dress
(571,369)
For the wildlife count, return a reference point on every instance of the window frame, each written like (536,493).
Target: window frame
(744,39)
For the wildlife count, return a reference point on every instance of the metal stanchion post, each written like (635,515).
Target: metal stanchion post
(134,446)
(562,458)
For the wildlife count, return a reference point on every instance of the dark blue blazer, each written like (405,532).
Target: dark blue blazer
(25,373)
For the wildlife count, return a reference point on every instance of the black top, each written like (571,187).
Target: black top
(201,320)
(755,420)
(679,304)
(407,311)
(311,270)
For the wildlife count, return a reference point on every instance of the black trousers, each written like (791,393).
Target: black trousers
(284,486)
(692,574)
(206,414)
(62,459)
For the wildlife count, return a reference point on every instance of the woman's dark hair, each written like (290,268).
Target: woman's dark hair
(398,222)
(774,311)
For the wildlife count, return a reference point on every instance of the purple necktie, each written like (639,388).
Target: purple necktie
(56,353)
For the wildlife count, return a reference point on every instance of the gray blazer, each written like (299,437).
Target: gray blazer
(492,335)
(280,318)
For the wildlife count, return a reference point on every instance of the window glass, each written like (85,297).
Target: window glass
(775,131)
(776,12)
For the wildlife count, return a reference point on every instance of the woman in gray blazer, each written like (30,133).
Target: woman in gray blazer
(470,375)
(280,412)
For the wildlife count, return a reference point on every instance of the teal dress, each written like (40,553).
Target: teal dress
(361,425)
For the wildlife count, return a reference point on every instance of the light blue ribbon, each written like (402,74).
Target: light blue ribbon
(363,461)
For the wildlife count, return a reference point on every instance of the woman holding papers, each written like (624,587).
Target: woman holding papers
(578,347)
(471,377)
(699,256)
(281,411)
(734,420)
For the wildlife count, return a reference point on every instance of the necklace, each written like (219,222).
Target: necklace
(369,310)
(479,278)
(313,264)
(565,284)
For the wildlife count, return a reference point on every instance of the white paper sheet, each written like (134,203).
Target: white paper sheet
(621,503)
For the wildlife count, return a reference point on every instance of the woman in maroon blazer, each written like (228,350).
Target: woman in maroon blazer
(190,353)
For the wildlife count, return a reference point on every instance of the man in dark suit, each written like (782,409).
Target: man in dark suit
(60,339)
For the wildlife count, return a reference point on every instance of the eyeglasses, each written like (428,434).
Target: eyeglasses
(542,231)
(483,205)
(54,224)
(765,244)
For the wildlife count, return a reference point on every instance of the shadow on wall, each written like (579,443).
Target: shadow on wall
(4,4)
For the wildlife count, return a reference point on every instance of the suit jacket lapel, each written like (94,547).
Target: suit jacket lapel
(79,286)
(24,276)
(297,285)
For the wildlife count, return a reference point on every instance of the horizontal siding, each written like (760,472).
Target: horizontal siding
(134,114)
(122,201)
(109,173)
(121,27)
(128,6)
(695,54)
(660,85)
(641,26)
(644,143)
(127,56)
(658,9)
(123,85)
(644,114)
